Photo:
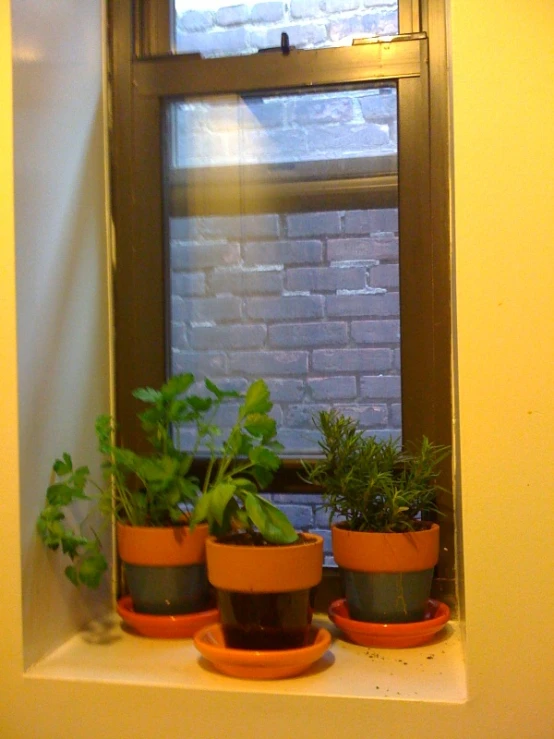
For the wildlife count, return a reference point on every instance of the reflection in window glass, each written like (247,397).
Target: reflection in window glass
(229,28)
(284,253)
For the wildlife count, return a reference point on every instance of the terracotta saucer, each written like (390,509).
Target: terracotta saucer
(390,635)
(259,665)
(165,627)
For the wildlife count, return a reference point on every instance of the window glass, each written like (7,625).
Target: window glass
(228,28)
(283,245)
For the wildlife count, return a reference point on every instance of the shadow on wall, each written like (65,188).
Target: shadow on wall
(63,330)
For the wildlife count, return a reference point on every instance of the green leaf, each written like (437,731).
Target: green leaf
(63,466)
(42,528)
(262,476)
(263,457)
(244,484)
(147,394)
(200,405)
(158,470)
(172,496)
(213,388)
(71,543)
(71,573)
(188,489)
(61,494)
(103,427)
(127,459)
(80,477)
(177,385)
(179,412)
(91,570)
(218,392)
(270,521)
(51,513)
(201,509)
(257,399)
(151,417)
(260,425)
(241,517)
(233,445)
(55,534)
(220,497)
(230,514)
(49,538)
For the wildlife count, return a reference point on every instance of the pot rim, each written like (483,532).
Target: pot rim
(371,551)
(265,569)
(166,546)
(344,526)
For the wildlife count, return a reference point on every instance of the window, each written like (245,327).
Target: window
(263,200)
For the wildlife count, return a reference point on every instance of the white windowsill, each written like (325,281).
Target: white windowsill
(107,653)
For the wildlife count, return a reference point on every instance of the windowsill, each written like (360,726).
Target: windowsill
(105,652)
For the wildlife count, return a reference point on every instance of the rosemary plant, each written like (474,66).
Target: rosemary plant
(372,484)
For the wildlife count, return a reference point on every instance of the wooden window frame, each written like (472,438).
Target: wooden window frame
(144,74)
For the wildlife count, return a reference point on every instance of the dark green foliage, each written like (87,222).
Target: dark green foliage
(230,499)
(89,564)
(159,489)
(374,485)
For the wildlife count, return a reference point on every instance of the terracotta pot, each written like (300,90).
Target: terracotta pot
(387,578)
(265,593)
(265,569)
(168,545)
(165,568)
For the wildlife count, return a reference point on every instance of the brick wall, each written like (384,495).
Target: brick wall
(316,126)
(307,301)
(246,28)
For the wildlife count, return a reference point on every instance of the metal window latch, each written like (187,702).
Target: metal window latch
(284,48)
(389,39)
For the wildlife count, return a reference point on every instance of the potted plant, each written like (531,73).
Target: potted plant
(151,497)
(383,497)
(264,572)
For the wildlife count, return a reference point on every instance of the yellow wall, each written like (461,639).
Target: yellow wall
(503,108)
(503,144)
(10,606)
(503,85)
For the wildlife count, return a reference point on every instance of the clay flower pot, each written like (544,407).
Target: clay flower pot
(265,594)
(165,568)
(387,578)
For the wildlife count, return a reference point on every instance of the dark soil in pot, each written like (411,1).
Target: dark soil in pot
(254,539)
